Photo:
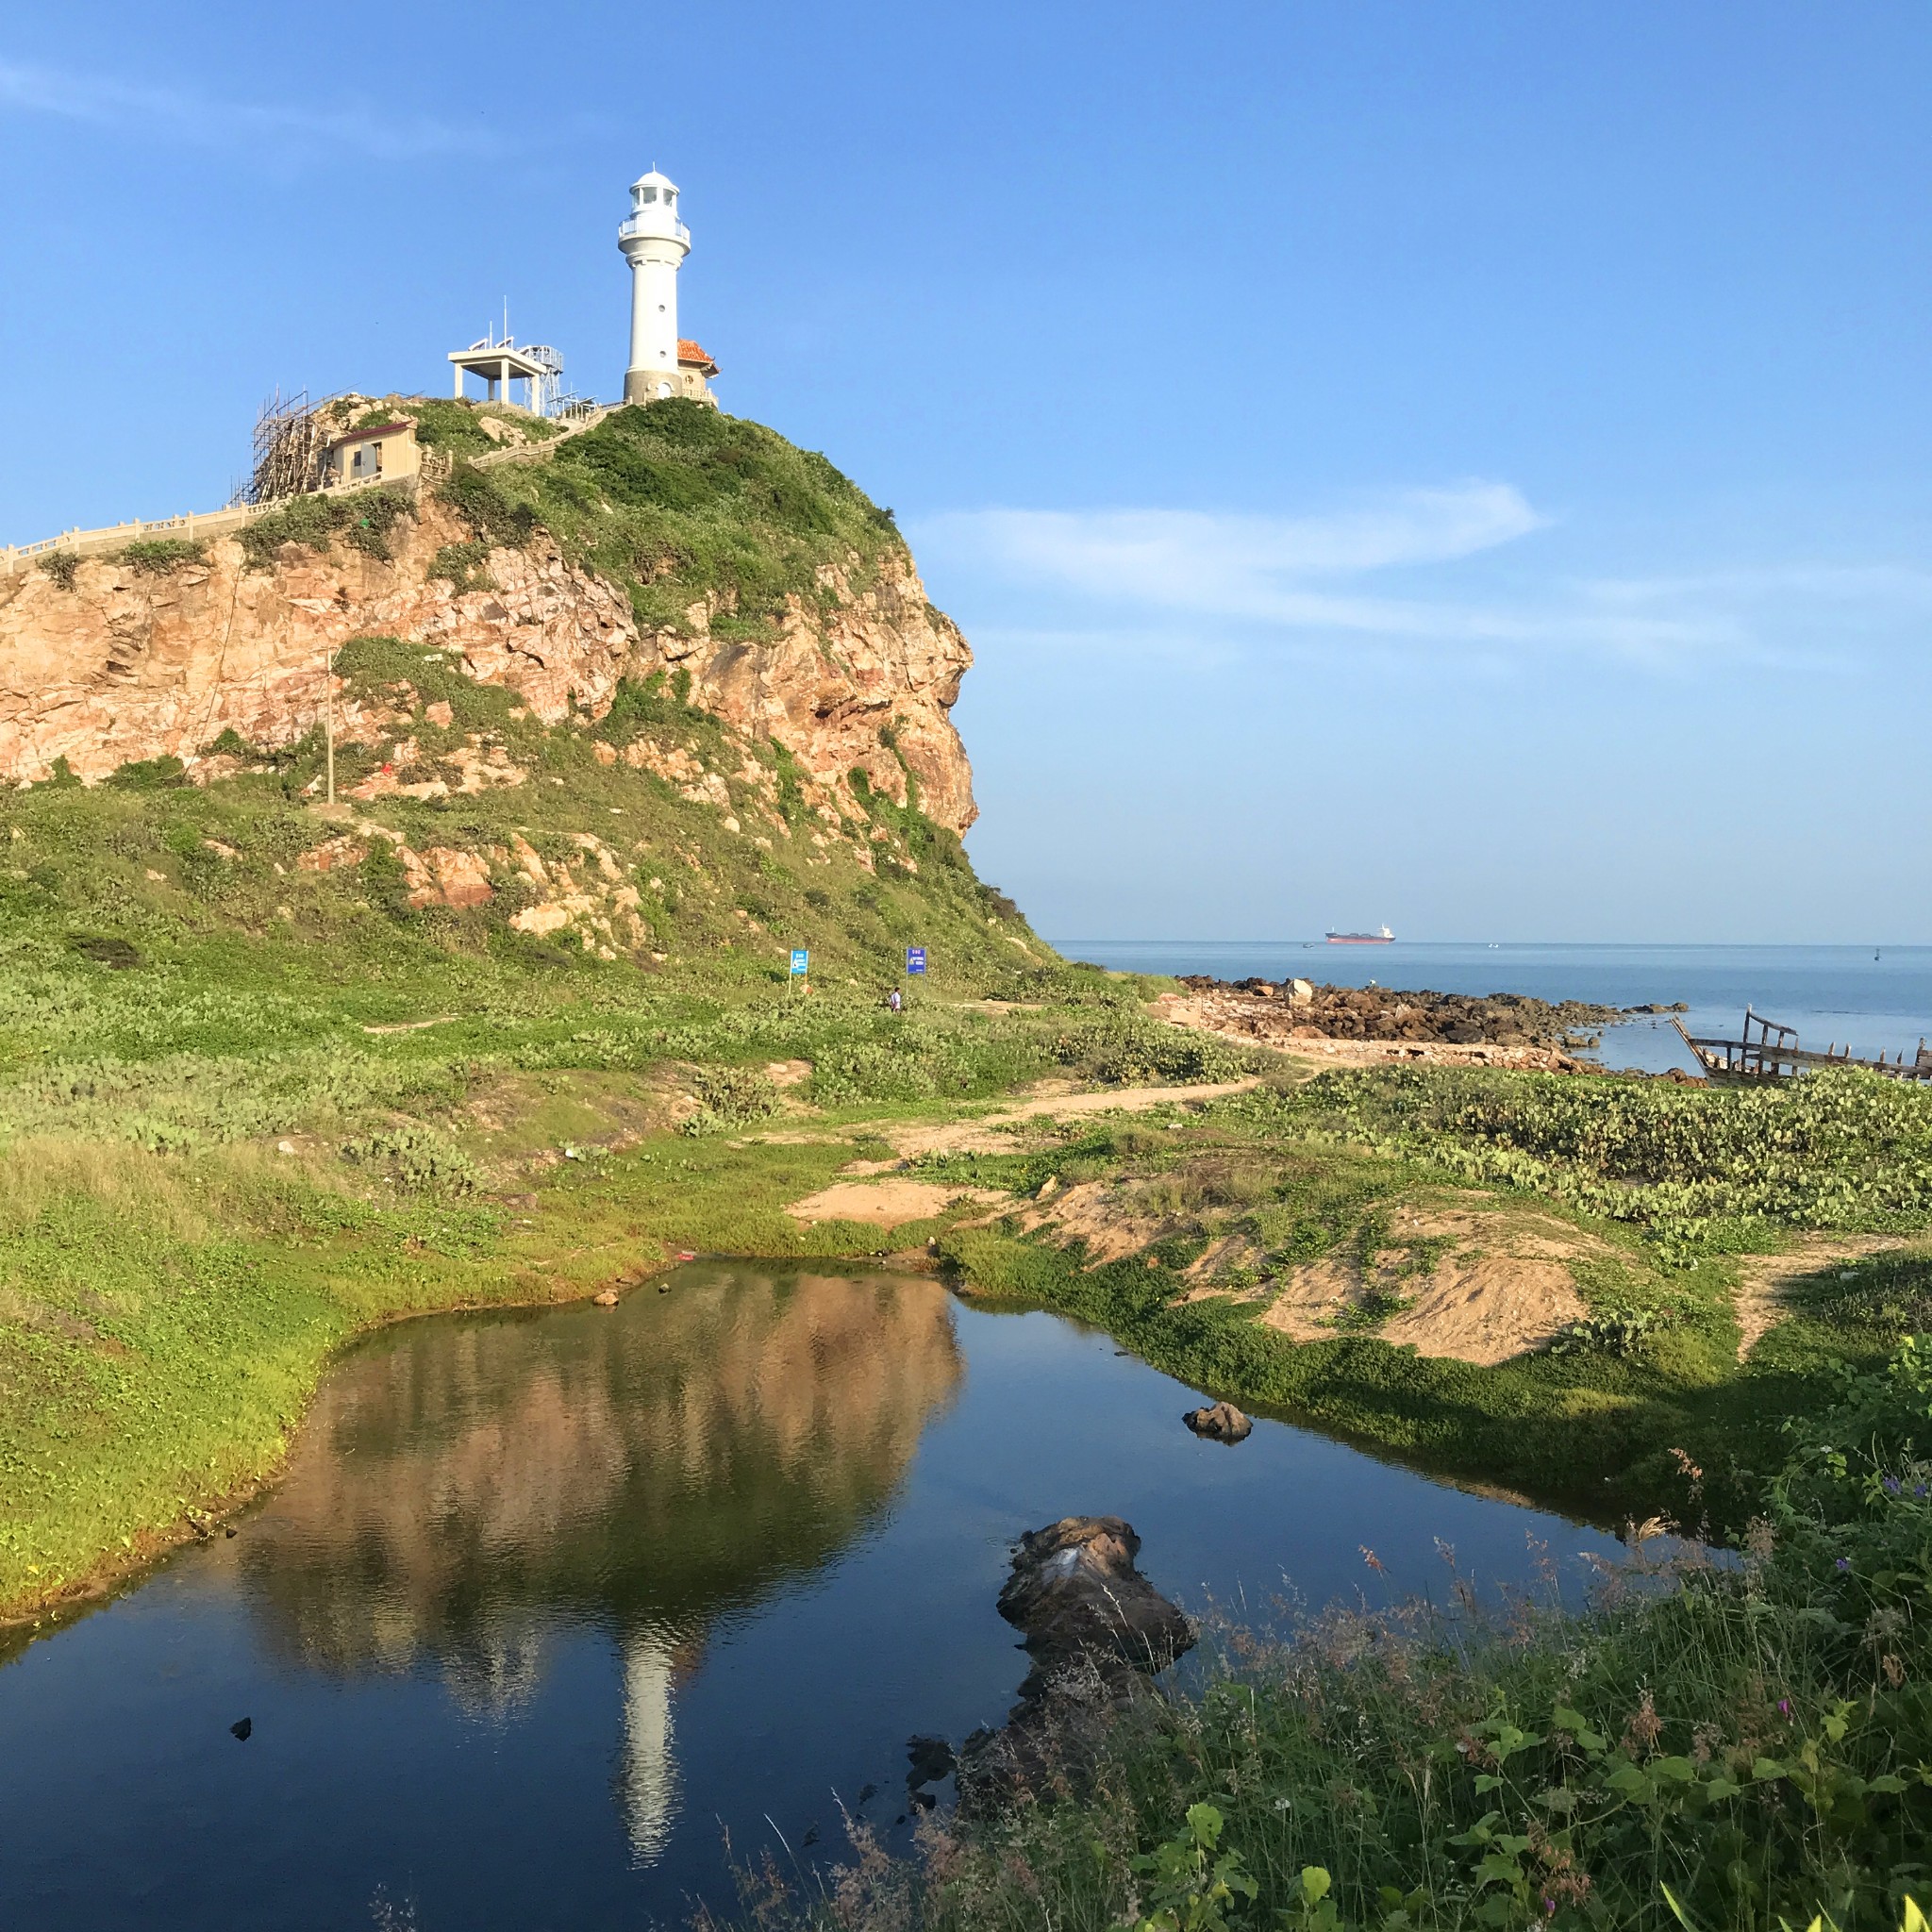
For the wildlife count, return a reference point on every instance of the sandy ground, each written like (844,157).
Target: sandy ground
(986,1135)
(1764,1281)
(1102,1214)
(883,1203)
(1501,1288)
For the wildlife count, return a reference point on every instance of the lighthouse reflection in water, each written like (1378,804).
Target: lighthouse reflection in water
(454,1505)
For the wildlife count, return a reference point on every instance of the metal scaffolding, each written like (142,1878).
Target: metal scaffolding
(290,443)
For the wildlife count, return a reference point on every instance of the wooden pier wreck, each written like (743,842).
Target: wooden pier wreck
(1768,1051)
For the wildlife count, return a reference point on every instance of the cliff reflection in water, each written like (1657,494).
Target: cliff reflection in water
(463,1486)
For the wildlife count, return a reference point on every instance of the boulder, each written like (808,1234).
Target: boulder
(1096,1631)
(1222,1422)
(1074,1589)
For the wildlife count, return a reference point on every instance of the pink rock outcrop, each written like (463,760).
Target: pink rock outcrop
(126,666)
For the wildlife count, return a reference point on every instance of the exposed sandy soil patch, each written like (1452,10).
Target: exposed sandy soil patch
(1765,1281)
(1101,1213)
(883,1204)
(1501,1288)
(788,1073)
(1480,1311)
(984,1135)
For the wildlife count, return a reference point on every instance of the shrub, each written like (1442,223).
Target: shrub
(474,496)
(416,1158)
(730,1097)
(362,518)
(448,425)
(1694,1167)
(462,566)
(150,775)
(157,557)
(62,565)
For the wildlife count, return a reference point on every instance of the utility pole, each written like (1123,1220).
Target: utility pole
(328,728)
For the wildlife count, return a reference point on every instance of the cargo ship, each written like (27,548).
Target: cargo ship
(1383,937)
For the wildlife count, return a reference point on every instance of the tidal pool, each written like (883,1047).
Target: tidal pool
(551,1603)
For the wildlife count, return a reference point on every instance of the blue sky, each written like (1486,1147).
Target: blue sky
(1457,465)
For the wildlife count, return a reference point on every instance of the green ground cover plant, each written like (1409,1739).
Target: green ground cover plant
(158,556)
(679,503)
(1661,1179)
(363,519)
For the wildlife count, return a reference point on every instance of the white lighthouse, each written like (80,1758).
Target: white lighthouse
(655,243)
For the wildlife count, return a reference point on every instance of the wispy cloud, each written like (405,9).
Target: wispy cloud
(197,120)
(1251,566)
(1403,571)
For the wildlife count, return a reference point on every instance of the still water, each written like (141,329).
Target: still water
(1875,999)
(549,1602)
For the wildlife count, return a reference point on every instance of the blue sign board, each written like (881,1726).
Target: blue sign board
(915,959)
(800,961)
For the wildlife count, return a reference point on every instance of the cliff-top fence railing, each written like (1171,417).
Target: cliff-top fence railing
(195,525)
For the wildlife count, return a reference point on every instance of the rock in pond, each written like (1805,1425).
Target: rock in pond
(1096,1631)
(1221,1420)
(605,1299)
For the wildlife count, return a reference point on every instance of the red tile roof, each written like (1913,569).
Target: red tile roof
(689,355)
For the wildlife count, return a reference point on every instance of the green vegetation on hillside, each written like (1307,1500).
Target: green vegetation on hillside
(516,1024)
(678,503)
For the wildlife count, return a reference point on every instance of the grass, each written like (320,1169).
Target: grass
(158,556)
(479,1110)
(1661,1189)
(177,992)
(681,505)
(363,519)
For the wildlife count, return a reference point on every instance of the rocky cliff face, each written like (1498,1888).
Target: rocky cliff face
(127,664)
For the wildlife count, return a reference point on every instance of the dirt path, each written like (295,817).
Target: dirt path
(1765,1281)
(985,1135)
(884,1203)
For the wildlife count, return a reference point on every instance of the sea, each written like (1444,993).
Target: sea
(1874,999)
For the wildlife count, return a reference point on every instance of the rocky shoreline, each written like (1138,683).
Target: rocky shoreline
(1364,1025)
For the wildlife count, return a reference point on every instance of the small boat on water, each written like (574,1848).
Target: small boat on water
(1383,937)
(1767,1051)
